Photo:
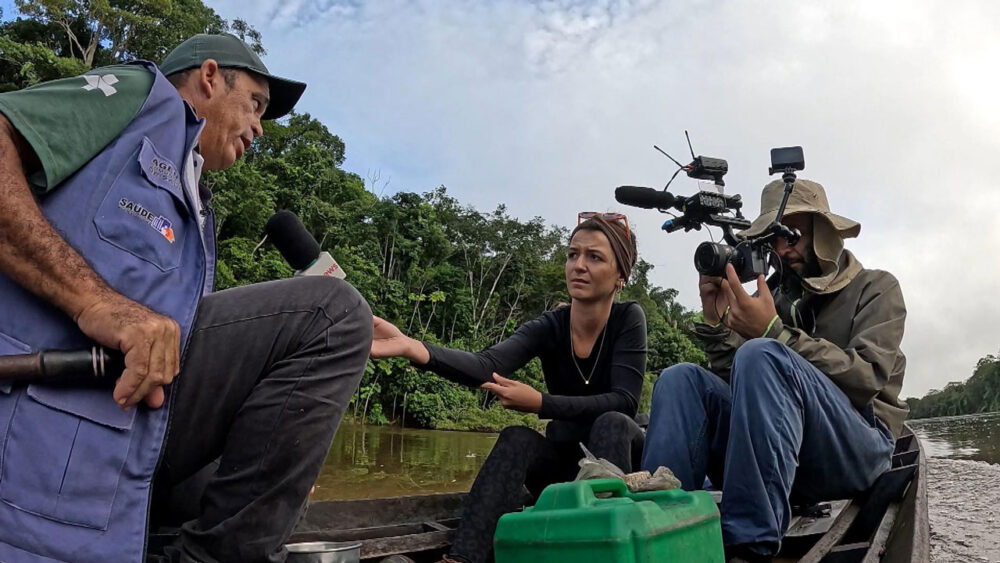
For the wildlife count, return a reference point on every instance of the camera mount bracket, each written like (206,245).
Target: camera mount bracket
(776,228)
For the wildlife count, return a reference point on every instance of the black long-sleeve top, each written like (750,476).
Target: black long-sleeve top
(617,377)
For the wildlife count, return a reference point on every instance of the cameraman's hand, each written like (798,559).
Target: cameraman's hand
(713,300)
(150,341)
(748,316)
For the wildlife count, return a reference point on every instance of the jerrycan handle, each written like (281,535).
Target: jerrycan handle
(578,494)
(615,486)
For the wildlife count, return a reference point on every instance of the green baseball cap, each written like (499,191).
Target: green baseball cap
(230,52)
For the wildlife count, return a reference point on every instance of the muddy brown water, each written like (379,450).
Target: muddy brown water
(963,486)
(388,461)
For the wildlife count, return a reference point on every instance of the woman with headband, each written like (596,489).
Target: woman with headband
(593,355)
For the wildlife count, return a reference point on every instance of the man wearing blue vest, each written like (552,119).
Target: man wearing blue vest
(107,237)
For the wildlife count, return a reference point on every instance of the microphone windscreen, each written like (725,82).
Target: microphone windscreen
(293,241)
(647,198)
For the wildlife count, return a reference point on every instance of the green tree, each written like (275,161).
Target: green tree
(110,23)
(61,38)
(980,393)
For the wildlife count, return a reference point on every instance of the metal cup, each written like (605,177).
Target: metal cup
(324,552)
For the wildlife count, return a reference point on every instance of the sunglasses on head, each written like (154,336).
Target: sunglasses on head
(609,217)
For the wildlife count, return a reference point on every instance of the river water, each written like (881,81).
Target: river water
(963,487)
(388,461)
(963,463)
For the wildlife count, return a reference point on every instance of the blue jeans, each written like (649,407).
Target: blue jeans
(782,427)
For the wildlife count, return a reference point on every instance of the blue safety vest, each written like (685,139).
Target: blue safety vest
(75,469)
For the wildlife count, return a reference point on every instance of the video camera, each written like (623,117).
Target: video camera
(749,255)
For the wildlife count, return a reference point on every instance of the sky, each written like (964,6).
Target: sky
(547,106)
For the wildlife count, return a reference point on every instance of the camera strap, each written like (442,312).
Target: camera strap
(794,304)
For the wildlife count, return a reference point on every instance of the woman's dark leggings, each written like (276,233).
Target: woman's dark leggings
(523,457)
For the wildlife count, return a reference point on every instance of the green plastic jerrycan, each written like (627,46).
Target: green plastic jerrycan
(569,523)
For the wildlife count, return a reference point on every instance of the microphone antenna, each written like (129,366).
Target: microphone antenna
(676,172)
(664,153)
(690,148)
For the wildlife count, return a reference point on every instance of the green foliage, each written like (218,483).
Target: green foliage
(980,393)
(24,64)
(62,38)
(493,419)
(646,397)
(669,336)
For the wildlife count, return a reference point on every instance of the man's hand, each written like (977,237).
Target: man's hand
(36,257)
(748,316)
(390,342)
(151,344)
(514,395)
(713,301)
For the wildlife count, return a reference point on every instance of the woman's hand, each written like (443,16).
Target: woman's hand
(514,395)
(390,342)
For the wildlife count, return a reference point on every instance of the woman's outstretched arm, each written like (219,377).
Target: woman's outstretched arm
(468,368)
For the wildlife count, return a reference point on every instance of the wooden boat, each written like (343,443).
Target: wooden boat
(888,523)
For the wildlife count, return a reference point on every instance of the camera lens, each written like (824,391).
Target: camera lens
(710,258)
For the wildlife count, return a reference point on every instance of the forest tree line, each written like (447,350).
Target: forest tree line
(978,394)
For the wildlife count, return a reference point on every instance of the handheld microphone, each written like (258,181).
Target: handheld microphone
(96,365)
(647,198)
(299,248)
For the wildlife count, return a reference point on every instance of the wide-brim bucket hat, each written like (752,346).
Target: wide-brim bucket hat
(806,197)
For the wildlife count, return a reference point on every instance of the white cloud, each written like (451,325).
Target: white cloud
(547,106)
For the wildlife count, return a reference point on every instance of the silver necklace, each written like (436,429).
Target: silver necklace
(572,350)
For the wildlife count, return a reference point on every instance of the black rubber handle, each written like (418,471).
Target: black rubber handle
(96,365)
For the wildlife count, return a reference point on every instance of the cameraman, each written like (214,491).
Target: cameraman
(804,399)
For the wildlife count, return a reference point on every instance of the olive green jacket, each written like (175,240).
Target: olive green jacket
(854,338)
